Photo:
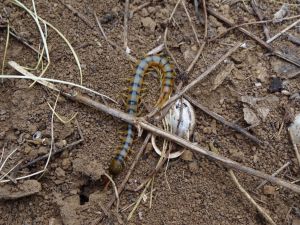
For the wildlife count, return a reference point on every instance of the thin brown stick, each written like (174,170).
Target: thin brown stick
(166,35)
(260,17)
(273,175)
(191,66)
(248,23)
(138,8)
(24,42)
(250,199)
(126,14)
(283,31)
(197,80)
(257,39)
(294,146)
(190,21)
(222,120)
(56,150)
(116,191)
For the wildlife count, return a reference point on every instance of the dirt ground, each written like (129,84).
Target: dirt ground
(191,191)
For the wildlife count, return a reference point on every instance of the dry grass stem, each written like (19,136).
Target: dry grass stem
(46,81)
(221,119)
(60,117)
(138,8)
(255,38)
(77,13)
(5,49)
(260,17)
(191,66)
(294,146)
(139,200)
(273,175)
(56,151)
(116,190)
(126,15)
(283,31)
(190,21)
(136,160)
(250,199)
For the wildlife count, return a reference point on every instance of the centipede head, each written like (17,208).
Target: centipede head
(116,167)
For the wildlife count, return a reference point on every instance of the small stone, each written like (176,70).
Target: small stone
(151,9)
(197,137)
(189,54)
(60,172)
(269,190)
(2,135)
(214,22)
(149,23)
(61,144)
(276,85)
(206,130)
(42,150)
(74,191)
(27,150)
(250,116)
(255,158)
(237,155)
(193,167)
(187,155)
(54,221)
(66,163)
(221,30)
(149,147)
(144,12)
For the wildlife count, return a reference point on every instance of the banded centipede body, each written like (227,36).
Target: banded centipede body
(167,84)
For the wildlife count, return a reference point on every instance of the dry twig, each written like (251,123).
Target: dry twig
(222,120)
(138,8)
(56,150)
(273,175)
(138,156)
(283,31)
(191,66)
(126,14)
(251,200)
(260,17)
(255,38)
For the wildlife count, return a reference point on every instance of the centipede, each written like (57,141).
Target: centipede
(167,76)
